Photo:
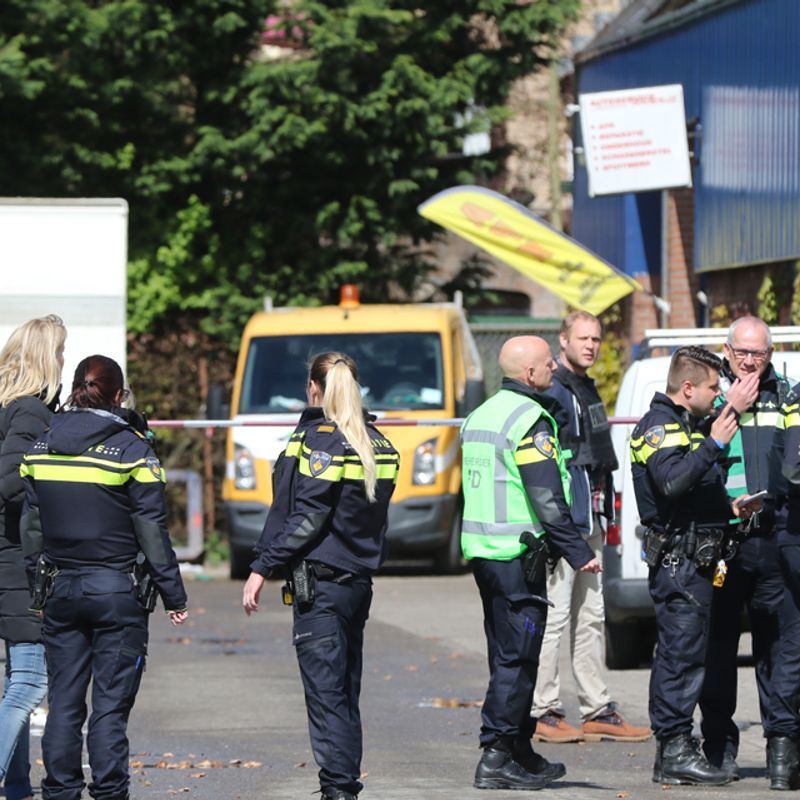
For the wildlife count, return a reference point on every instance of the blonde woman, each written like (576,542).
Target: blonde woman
(30,381)
(325,534)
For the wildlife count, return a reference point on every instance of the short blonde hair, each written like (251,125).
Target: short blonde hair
(574,316)
(29,360)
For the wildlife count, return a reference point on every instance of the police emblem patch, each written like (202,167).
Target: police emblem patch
(318,461)
(543,442)
(154,466)
(654,436)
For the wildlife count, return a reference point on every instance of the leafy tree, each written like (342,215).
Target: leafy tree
(247,175)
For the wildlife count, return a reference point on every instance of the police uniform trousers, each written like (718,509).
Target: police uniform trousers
(753,581)
(682,600)
(94,628)
(514,617)
(329,639)
(784,717)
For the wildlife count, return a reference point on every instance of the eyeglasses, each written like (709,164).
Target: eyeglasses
(740,354)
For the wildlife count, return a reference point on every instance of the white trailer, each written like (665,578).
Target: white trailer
(67,257)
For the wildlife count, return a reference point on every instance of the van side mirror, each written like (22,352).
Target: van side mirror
(474,395)
(216,407)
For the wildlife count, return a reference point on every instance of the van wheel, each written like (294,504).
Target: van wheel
(623,645)
(449,560)
(240,563)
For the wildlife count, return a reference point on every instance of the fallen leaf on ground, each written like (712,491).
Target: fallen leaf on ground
(252,765)
(197,775)
(455,702)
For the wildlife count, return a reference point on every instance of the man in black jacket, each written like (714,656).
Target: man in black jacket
(578,612)
(679,482)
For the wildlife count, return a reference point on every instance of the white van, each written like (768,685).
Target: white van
(630,629)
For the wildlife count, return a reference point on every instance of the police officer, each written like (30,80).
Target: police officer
(754,576)
(516,491)
(326,533)
(94,500)
(680,492)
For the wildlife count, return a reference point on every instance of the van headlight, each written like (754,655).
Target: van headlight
(424,469)
(244,468)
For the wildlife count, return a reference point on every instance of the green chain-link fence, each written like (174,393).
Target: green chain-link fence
(489,337)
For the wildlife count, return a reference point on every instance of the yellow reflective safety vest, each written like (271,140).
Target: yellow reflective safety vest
(496,507)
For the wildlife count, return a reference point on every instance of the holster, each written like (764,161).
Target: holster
(42,583)
(146,592)
(534,559)
(654,546)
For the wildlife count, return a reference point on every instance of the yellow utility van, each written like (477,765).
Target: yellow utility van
(416,362)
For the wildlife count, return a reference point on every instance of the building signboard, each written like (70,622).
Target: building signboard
(635,140)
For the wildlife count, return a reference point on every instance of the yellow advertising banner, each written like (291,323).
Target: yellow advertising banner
(513,234)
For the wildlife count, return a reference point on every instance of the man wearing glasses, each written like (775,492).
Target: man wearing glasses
(754,578)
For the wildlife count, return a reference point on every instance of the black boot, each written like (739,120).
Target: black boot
(783,763)
(682,762)
(331,793)
(498,770)
(537,764)
(657,775)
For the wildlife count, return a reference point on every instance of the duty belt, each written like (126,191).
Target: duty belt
(322,572)
(704,545)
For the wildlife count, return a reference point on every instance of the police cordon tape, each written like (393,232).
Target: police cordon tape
(379,423)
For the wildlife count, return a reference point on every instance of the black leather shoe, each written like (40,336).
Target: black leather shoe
(331,793)
(537,764)
(679,761)
(783,763)
(498,770)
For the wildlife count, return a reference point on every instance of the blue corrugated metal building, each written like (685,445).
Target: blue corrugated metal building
(739,64)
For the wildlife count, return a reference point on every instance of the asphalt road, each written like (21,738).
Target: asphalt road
(220,715)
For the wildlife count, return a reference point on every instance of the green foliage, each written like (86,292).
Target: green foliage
(767,300)
(217,549)
(776,286)
(720,316)
(248,176)
(794,311)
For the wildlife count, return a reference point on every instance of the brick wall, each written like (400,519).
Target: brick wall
(683,282)
(643,313)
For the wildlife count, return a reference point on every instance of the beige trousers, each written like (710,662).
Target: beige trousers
(577,609)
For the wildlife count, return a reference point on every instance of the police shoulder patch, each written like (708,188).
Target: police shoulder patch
(654,436)
(544,443)
(154,465)
(318,461)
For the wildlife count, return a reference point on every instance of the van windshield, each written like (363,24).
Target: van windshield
(396,370)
